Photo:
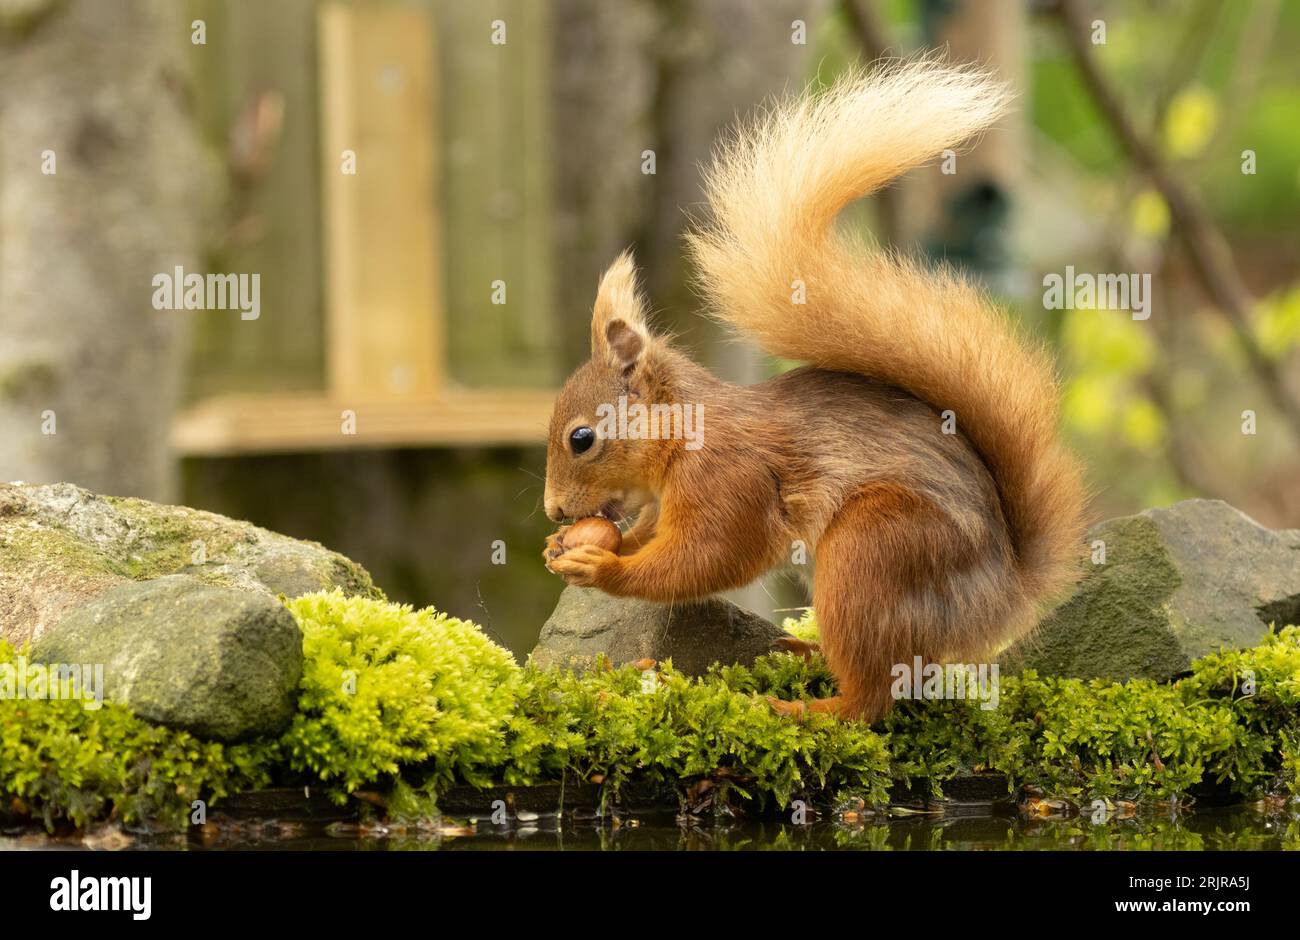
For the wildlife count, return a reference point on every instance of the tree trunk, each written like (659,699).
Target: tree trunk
(89,370)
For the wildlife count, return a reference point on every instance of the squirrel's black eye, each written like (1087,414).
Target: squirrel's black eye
(581,439)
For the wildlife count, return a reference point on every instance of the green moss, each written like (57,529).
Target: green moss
(164,546)
(38,547)
(385,687)
(667,731)
(166,541)
(62,763)
(161,540)
(346,575)
(803,628)
(1116,624)
(416,701)
(1090,739)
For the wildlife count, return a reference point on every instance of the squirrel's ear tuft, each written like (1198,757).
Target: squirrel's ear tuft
(618,301)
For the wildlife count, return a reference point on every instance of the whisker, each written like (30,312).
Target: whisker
(536,506)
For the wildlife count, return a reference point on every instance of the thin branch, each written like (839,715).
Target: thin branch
(1210,257)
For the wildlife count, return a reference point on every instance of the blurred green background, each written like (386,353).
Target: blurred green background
(507,144)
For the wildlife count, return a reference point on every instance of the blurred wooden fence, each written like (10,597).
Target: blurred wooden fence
(377,289)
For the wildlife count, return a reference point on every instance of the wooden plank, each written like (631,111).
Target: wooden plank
(255,424)
(384,297)
(270,221)
(498,181)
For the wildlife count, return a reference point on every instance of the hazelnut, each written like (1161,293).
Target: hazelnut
(593,530)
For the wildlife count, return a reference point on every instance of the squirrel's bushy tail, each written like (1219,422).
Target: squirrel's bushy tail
(775,189)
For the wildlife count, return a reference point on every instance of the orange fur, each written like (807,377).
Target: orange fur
(929,544)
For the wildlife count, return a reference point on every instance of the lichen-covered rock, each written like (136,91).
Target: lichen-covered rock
(217,661)
(694,635)
(62,546)
(1176,584)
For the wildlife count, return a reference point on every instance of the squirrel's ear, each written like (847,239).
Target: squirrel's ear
(618,331)
(635,355)
(625,345)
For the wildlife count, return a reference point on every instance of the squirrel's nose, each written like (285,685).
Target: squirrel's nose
(555,512)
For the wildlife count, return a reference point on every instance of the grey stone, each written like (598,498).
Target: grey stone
(1177,583)
(62,546)
(694,635)
(218,661)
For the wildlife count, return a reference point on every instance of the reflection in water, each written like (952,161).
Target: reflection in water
(1234,828)
(1238,828)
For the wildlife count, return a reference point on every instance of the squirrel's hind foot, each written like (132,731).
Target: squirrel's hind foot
(790,644)
(798,710)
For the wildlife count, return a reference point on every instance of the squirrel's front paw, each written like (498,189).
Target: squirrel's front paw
(586,566)
(554,546)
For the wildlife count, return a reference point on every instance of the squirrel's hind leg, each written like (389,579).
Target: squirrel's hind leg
(882,564)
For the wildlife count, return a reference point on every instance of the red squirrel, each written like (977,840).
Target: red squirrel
(916,453)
